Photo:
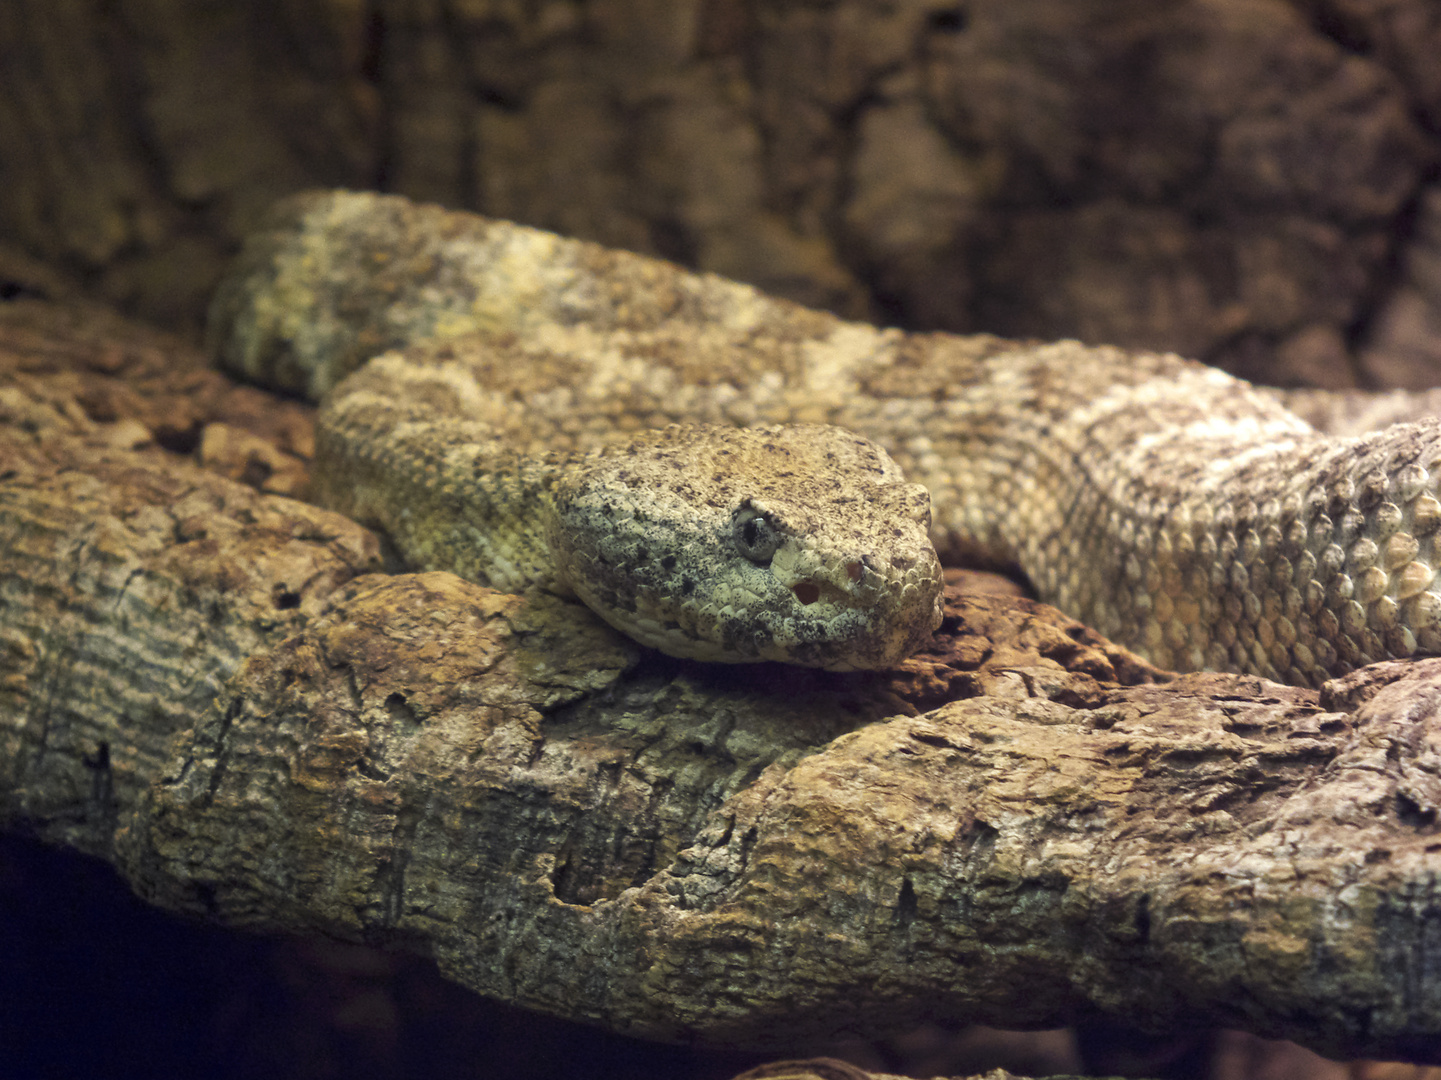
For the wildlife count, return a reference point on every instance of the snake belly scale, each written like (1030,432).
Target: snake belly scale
(521,436)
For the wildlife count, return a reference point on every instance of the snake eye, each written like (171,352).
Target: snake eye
(756,536)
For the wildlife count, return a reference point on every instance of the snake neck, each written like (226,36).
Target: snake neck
(444,499)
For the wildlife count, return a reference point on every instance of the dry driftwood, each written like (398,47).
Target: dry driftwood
(214,688)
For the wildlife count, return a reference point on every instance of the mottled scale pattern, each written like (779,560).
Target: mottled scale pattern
(516,466)
(1182,512)
(1177,510)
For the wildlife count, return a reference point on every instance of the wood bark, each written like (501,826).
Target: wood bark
(215,688)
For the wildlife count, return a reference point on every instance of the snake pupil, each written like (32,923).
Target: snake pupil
(755,535)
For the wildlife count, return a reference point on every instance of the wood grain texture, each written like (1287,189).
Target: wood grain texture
(1022,826)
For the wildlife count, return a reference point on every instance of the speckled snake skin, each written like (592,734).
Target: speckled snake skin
(1177,510)
(800,543)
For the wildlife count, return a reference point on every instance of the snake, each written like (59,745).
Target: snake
(725,476)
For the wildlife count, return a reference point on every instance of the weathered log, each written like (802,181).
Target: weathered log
(213,688)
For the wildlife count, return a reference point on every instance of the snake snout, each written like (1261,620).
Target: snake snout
(855,583)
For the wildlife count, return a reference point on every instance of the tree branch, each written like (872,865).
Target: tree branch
(214,688)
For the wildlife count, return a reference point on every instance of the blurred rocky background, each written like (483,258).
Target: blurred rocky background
(1256,183)
(1250,182)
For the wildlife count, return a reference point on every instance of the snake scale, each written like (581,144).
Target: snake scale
(515,427)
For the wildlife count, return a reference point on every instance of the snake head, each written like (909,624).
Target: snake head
(802,544)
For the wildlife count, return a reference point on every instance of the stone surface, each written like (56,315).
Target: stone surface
(1234,179)
(1403,346)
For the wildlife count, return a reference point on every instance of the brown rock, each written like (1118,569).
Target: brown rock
(1220,177)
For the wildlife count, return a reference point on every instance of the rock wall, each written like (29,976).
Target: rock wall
(1251,182)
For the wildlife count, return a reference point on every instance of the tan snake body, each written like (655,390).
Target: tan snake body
(1177,510)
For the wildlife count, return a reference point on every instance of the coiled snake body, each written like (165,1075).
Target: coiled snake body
(521,438)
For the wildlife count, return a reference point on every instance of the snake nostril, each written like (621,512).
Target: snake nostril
(807,592)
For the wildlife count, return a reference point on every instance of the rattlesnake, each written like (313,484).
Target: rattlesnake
(1174,508)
